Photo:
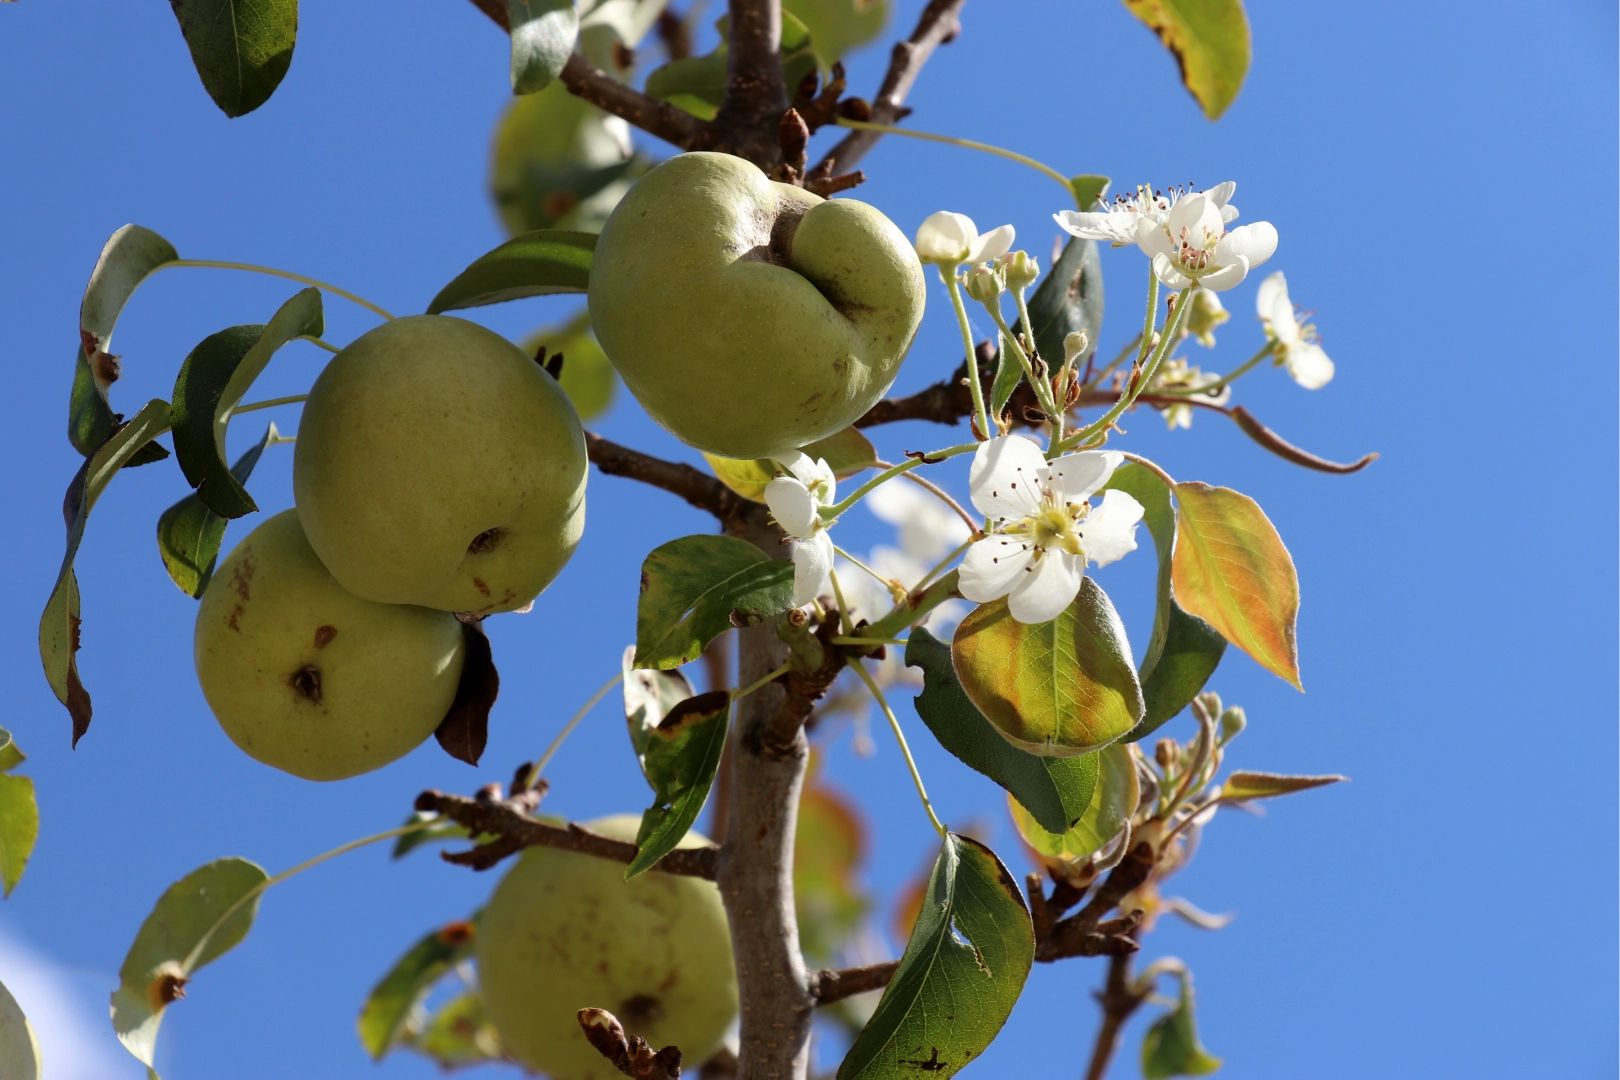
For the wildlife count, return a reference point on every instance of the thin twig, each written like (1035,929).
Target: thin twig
(1118,1000)
(829,986)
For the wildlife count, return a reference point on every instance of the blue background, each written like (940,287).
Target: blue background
(1432,170)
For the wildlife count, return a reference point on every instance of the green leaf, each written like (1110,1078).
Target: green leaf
(189,534)
(1264,785)
(1056,791)
(963,969)
(587,376)
(1089,188)
(846,452)
(1184,650)
(543,36)
(1210,41)
(1058,688)
(240,48)
(388,1008)
(20,1058)
(1231,570)
(197,919)
(695,588)
(560,163)
(649,695)
(1069,298)
(1009,373)
(19,828)
(128,258)
(537,263)
(459,1034)
(1116,796)
(698,83)
(441,829)
(681,756)
(59,625)
(211,384)
(1171,1046)
(838,27)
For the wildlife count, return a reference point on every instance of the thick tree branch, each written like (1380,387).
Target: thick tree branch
(829,986)
(1086,933)
(756,98)
(514,830)
(939,23)
(695,486)
(778,736)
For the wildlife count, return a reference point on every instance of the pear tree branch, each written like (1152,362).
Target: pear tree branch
(829,986)
(695,486)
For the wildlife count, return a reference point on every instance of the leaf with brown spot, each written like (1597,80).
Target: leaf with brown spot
(1210,41)
(464,731)
(681,757)
(384,1018)
(1230,569)
(1242,786)
(189,533)
(695,587)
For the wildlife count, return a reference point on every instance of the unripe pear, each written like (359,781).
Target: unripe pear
(438,465)
(307,677)
(751,317)
(565,931)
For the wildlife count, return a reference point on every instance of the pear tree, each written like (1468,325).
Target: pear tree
(760,314)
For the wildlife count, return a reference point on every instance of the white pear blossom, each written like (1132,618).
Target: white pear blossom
(951,239)
(1044,529)
(796,501)
(1192,244)
(1117,224)
(1297,344)
(1175,374)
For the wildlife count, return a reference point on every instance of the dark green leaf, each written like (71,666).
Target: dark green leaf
(535,264)
(964,967)
(1184,650)
(682,754)
(695,588)
(441,829)
(1263,785)
(1117,792)
(213,380)
(1056,791)
(241,48)
(649,695)
(1171,1046)
(1088,189)
(59,624)
(383,1018)
(19,1047)
(197,919)
(1009,373)
(19,828)
(189,534)
(1059,688)
(130,255)
(1210,41)
(1069,298)
(543,36)
(459,1034)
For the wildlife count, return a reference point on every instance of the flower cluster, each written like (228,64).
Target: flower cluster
(795,501)
(1296,343)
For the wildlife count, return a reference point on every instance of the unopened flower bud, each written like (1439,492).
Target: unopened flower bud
(985,283)
(1166,752)
(1233,721)
(1075,346)
(1204,316)
(1020,268)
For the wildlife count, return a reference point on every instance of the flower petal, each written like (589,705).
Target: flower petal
(1309,365)
(812,561)
(945,237)
(1152,239)
(1051,585)
(1109,532)
(1167,273)
(1273,297)
(1080,476)
(1221,194)
(1006,477)
(792,505)
(1256,243)
(1227,277)
(992,245)
(992,567)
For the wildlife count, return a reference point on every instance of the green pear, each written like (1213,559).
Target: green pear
(307,677)
(565,931)
(751,317)
(438,465)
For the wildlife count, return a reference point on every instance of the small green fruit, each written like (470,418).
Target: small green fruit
(565,931)
(438,465)
(307,677)
(750,317)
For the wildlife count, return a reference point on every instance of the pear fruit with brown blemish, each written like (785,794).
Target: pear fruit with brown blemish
(307,677)
(439,465)
(747,316)
(564,931)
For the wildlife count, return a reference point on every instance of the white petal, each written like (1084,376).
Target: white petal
(1005,477)
(1167,273)
(1080,476)
(1256,242)
(1222,193)
(792,505)
(1189,213)
(1227,277)
(812,560)
(1109,532)
(1273,297)
(992,567)
(993,244)
(945,237)
(1050,586)
(1152,239)
(1309,365)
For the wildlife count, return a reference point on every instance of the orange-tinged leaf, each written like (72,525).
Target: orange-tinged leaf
(1231,569)
(1210,41)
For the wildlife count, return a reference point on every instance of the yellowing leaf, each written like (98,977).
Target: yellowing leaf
(1210,41)
(846,452)
(1114,799)
(1231,570)
(1262,785)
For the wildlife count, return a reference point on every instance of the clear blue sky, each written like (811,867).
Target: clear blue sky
(1432,171)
